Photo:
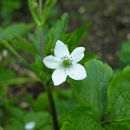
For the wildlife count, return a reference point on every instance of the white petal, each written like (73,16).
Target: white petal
(77,72)
(59,76)
(61,49)
(78,54)
(30,125)
(51,62)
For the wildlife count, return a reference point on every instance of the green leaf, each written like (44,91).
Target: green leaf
(39,102)
(15,125)
(31,102)
(39,68)
(1,92)
(1,33)
(7,45)
(57,32)
(5,74)
(19,29)
(119,97)
(82,118)
(120,125)
(17,113)
(41,119)
(93,89)
(125,54)
(19,119)
(21,44)
(88,56)
(35,38)
(33,6)
(7,10)
(64,101)
(41,16)
(48,6)
(73,39)
(47,127)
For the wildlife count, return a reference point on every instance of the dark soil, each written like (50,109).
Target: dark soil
(110,25)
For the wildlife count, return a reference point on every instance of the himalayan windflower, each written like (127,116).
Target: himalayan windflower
(65,64)
(30,125)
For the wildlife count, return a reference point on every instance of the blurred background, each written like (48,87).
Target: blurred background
(109,22)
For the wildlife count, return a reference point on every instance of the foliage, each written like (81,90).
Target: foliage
(87,117)
(19,29)
(125,54)
(116,111)
(95,92)
(118,96)
(99,102)
(7,9)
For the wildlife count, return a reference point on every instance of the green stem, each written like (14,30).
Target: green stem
(48,88)
(40,7)
(18,81)
(32,10)
(40,29)
(52,106)
(8,46)
(41,41)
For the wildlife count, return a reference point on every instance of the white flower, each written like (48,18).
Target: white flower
(30,125)
(65,64)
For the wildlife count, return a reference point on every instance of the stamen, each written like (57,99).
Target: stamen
(66,63)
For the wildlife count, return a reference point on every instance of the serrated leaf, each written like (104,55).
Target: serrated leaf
(72,39)
(82,118)
(119,97)
(93,89)
(57,32)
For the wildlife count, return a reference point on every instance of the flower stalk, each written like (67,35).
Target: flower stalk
(41,41)
(52,106)
(9,47)
(47,87)
(40,30)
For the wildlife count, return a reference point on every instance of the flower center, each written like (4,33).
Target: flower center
(66,63)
